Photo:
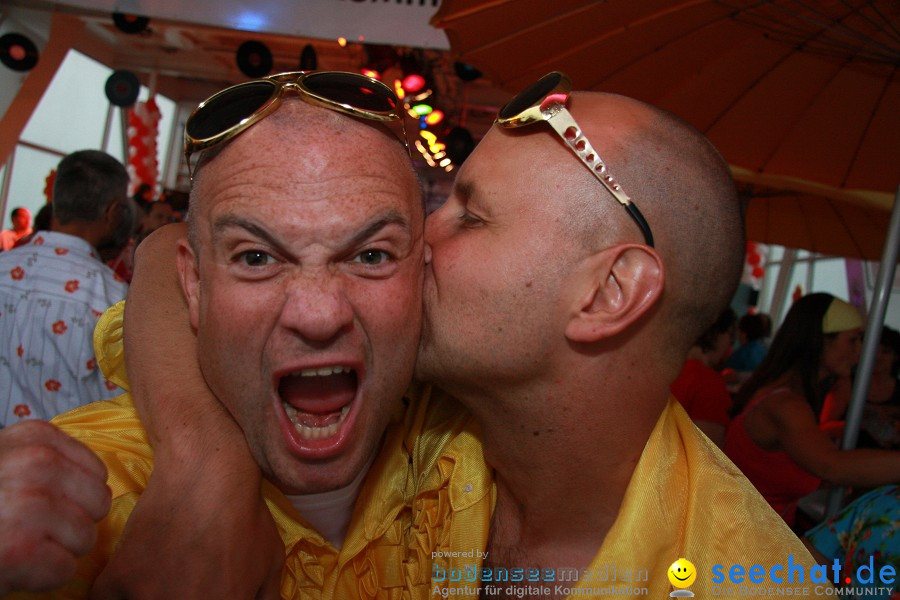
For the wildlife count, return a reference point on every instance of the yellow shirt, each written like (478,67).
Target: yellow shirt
(420,497)
(424,511)
(687,500)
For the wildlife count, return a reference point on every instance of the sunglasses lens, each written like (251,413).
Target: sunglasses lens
(531,96)
(228,108)
(352,90)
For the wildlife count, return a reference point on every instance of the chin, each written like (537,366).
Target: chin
(323,476)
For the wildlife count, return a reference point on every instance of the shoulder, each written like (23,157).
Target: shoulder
(113,431)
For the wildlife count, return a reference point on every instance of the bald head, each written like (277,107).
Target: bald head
(683,187)
(307,142)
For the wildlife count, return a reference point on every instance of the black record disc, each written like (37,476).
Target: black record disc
(122,88)
(130,23)
(18,52)
(254,59)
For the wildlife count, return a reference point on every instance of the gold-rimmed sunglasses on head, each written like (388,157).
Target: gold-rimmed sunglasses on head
(546,101)
(228,113)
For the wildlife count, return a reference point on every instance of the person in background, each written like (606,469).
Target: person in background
(153,216)
(21,227)
(700,387)
(865,530)
(54,289)
(149,216)
(753,330)
(774,437)
(880,425)
(42,221)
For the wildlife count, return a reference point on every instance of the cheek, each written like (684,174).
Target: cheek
(392,309)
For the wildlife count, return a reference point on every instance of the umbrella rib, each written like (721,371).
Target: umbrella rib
(787,131)
(462,14)
(831,24)
(754,83)
(840,27)
(535,26)
(886,21)
(888,81)
(595,82)
(828,44)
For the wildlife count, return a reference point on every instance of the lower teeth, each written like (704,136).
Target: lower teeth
(315,433)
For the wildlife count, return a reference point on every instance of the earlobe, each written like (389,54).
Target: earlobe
(623,283)
(190,279)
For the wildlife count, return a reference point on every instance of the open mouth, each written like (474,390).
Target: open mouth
(317,401)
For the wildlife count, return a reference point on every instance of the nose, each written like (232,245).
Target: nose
(316,307)
(435,230)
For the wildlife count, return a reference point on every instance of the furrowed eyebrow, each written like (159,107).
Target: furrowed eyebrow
(229,221)
(465,189)
(391,218)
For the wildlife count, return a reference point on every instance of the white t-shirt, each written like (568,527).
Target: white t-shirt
(329,512)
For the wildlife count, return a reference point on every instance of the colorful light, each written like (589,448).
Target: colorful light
(398,89)
(434,117)
(342,42)
(421,109)
(413,82)
(372,73)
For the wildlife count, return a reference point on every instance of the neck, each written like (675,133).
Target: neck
(93,233)
(572,445)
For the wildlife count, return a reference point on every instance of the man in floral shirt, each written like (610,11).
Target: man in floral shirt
(53,289)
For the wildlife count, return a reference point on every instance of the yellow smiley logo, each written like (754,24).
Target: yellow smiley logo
(682,573)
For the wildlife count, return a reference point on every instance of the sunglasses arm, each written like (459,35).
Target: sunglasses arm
(562,122)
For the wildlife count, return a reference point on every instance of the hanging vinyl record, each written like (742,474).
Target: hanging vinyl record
(122,88)
(254,59)
(18,52)
(130,23)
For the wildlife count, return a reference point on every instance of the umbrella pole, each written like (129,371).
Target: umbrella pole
(870,345)
(779,294)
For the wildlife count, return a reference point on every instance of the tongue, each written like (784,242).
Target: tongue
(318,400)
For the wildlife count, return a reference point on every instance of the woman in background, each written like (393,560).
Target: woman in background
(775,439)
(880,425)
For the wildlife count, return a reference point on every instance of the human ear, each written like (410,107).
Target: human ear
(190,279)
(113,212)
(620,284)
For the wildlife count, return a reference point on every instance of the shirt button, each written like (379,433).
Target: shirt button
(469,487)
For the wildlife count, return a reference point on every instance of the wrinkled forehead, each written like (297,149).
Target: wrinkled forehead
(304,152)
(309,129)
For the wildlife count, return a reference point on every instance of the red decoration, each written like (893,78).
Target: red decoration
(22,410)
(59,327)
(18,273)
(758,272)
(48,186)
(143,131)
(52,385)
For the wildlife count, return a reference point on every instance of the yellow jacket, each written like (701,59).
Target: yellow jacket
(429,495)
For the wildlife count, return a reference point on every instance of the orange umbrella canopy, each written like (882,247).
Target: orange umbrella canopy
(798,95)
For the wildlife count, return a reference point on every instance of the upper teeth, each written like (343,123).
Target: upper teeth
(322,371)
